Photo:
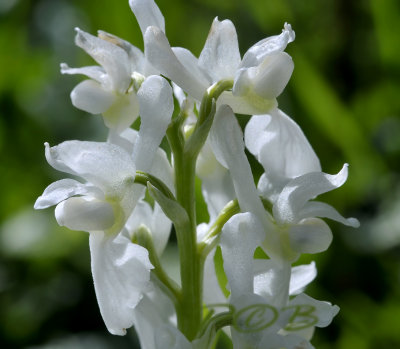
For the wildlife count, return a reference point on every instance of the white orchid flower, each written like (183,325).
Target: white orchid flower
(260,286)
(258,78)
(100,206)
(105,201)
(112,87)
(292,179)
(292,228)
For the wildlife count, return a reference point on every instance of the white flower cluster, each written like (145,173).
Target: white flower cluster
(262,304)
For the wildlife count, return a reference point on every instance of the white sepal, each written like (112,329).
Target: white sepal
(94,72)
(91,97)
(156,107)
(240,236)
(147,14)
(301,276)
(85,213)
(228,146)
(310,235)
(266,47)
(159,53)
(290,341)
(268,79)
(322,210)
(272,280)
(105,165)
(111,57)
(155,221)
(296,194)
(63,189)
(121,273)
(324,312)
(220,56)
(122,113)
(280,145)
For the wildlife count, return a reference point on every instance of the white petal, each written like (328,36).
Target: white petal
(159,53)
(154,310)
(227,142)
(155,221)
(272,341)
(301,189)
(311,235)
(163,170)
(94,72)
(322,210)
(147,14)
(250,104)
(217,192)
(137,60)
(301,276)
(142,214)
(226,138)
(323,311)
(207,165)
(220,55)
(91,97)
(122,113)
(86,214)
(179,94)
(156,107)
(240,236)
(126,139)
(289,341)
(190,62)
(272,75)
(256,54)
(121,272)
(61,190)
(169,337)
(280,146)
(267,79)
(270,187)
(103,164)
(216,184)
(111,57)
(297,342)
(271,281)
(254,318)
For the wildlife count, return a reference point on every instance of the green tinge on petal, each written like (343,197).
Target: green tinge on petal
(122,113)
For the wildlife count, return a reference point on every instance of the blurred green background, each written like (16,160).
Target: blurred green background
(344,93)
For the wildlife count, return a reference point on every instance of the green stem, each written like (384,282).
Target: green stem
(185,152)
(190,309)
(143,178)
(213,324)
(209,241)
(142,237)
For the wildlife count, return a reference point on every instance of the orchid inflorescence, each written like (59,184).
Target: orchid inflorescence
(237,277)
